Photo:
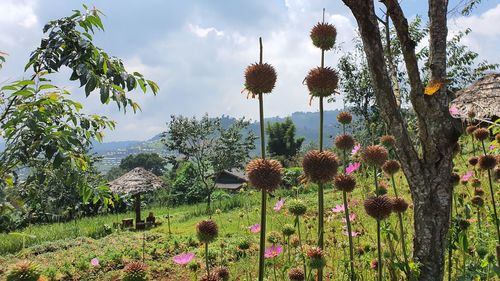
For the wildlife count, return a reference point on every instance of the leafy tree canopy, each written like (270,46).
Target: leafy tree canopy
(281,142)
(149,161)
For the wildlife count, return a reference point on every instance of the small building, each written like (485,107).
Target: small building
(231,180)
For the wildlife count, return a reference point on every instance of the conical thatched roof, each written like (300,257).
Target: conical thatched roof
(138,180)
(482,98)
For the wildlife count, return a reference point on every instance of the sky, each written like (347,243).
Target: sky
(197,51)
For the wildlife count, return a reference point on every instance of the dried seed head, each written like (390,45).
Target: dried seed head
(320,167)
(135,267)
(264,174)
(481,134)
(497,138)
(322,81)
(477,201)
(296,207)
(387,141)
(344,117)
(260,78)
(207,231)
(375,155)
(345,182)
(316,258)
(487,162)
(455,178)
(323,36)
(391,167)
(288,230)
(399,205)
(470,129)
(476,182)
(296,274)
(222,273)
(473,160)
(344,142)
(479,192)
(378,207)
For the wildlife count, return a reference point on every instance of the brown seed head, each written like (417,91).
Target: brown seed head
(481,134)
(487,162)
(135,267)
(207,231)
(296,274)
(470,129)
(399,205)
(497,138)
(323,36)
(260,78)
(344,117)
(322,82)
(375,155)
(344,142)
(387,141)
(378,207)
(316,258)
(222,273)
(264,174)
(391,167)
(320,167)
(477,201)
(455,178)
(476,182)
(479,192)
(345,182)
(473,160)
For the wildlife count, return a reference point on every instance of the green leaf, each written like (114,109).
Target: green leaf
(104,94)
(90,86)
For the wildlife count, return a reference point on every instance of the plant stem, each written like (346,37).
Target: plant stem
(300,243)
(321,206)
(206,259)
(379,249)
(402,233)
(351,247)
(492,197)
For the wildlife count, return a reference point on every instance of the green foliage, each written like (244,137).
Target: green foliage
(281,142)
(24,271)
(291,177)
(149,161)
(185,187)
(114,173)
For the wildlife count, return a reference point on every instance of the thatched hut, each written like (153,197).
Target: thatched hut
(481,98)
(231,180)
(134,183)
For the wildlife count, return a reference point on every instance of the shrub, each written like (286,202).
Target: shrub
(24,271)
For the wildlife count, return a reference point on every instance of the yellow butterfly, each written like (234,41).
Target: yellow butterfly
(433,87)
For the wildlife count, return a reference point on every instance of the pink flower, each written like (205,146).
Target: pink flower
(183,258)
(338,208)
(353,233)
(467,176)
(352,217)
(279,205)
(356,148)
(94,262)
(273,251)
(454,111)
(353,167)
(492,147)
(255,228)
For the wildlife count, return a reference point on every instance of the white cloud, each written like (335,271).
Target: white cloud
(203,32)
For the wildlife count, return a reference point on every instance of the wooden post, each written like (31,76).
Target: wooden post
(137,205)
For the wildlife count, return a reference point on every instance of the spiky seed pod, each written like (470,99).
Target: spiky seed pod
(211,277)
(288,230)
(344,142)
(345,182)
(477,201)
(387,141)
(322,81)
(222,273)
(274,237)
(378,207)
(244,244)
(471,114)
(487,162)
(295,241)
(470,129)
(344,117)
(135,271)
(497,137)
(455,178)
(496,173)
(463,224)
(323,35)
(391,167)
(24,271)
(207,231)
(399,205)
(260,78)
(296,207)
(481,134)
(320,167)
(316,258)
(476,182)
(264,174)
(296,274)
(479,192)
(375,155)
(473,160)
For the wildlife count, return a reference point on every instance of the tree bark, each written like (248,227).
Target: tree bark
(429,175)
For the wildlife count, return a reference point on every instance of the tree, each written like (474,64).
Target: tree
(149,161)
(209,146)
(429,172)
(282,142)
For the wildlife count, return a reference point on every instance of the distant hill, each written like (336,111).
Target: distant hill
(306,123)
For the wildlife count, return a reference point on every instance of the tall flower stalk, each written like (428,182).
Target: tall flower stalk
(322,82)
(263,174)
(344,182)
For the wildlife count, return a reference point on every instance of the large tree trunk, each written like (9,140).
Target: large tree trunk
(428,174)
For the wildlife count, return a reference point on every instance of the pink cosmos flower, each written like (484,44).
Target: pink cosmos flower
(183,258)
(338,208)
(353,233)
(356,148)
(255,228)
(352,167)
(94,262)
(492,147)
(467,176)
(273,251)
(352,217)
(454,111)
(279,205)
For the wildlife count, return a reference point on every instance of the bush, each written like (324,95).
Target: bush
(24,271)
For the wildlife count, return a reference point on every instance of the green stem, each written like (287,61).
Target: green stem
(379,249)
(351,246)
(402,233)
(492,197)
(206,259)
(300,243)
